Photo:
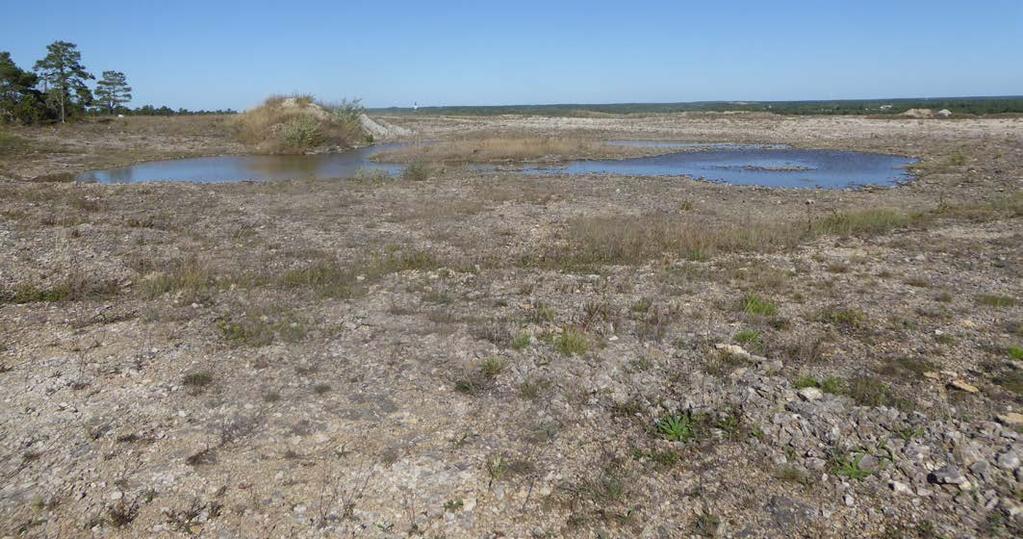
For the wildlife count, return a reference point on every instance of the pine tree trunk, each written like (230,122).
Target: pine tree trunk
(62,97)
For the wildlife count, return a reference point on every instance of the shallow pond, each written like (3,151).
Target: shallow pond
(767,165)
(247,167)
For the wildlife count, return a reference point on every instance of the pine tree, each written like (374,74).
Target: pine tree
(63,71)
(19,100)
(112,91)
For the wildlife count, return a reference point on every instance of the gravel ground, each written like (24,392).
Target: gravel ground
(492,354)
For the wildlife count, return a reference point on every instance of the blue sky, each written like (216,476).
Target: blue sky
(214,54)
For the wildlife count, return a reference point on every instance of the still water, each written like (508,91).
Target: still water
(770,166)
(766,165)
(247,167)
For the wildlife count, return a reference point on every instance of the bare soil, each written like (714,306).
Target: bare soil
(493,354)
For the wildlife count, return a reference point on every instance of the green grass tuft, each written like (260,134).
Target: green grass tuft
(862,223)
(755,305)
(676,428)
(995,300)
(571,342)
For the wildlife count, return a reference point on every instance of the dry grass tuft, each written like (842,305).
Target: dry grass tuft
(504,149)
(863,223)
(636,239)
(76,286)
(189,277)
(331,278)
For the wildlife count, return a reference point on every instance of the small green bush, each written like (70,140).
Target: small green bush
(261,327)
(492,366)
(828,385)
(752,339)
(754,305)
(848,465)
(848,318)
(328,278)
(301,132)
(676,428)
(521,341)
(417,171)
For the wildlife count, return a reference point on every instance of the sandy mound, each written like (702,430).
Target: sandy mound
(298,124)
(919,113)
(381,130)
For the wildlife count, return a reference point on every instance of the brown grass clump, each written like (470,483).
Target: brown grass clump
(75,286)
(189,277)
(505,149)
(298,124)
(864,223)
(636,239)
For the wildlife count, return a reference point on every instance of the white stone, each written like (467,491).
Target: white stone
(810,393)
(899,487)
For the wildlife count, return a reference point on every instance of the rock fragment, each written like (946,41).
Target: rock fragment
(963,385)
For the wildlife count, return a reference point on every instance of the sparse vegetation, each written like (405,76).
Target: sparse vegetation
(551,344)
(533,388)
(862,222)
(327,278)
(755,305)
(706,525)
(521,341)
(848,465)
(188,277)
(871,391)
(634,240)
(830,384)
(844,317)
(790,474)
(542,313)
(677,427)
(503,149)
(571,342)
(751,339)
(417,171)
(76,286)
(492,366)
(482,378)
(197,382)
(996,300)
(262,326)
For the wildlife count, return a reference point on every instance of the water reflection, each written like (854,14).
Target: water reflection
(770,166)
(247,167)
(767,165)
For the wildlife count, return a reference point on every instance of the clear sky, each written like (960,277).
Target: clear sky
(219,54)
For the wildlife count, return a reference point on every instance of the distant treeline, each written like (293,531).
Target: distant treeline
(57,88)
(149,110)
(956,105)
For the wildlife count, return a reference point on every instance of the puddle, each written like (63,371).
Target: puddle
(740,164)
(247,167)
(766,165)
